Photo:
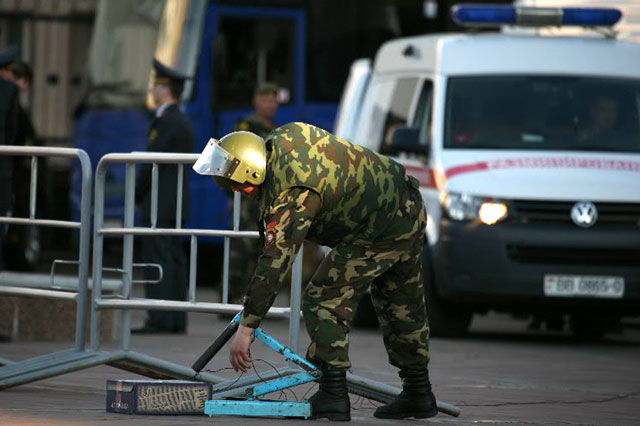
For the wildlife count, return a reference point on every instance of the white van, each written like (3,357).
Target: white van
(528,151)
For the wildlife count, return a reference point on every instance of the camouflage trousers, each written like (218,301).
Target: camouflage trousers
(392,267)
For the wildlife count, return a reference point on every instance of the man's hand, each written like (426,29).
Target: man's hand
(239,353)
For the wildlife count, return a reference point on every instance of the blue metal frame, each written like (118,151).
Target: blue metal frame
(208,202)
(201,107)
(297,15)
(256,408)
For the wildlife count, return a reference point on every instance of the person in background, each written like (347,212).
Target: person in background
(19,73)
(265,104)
(8,122)
(603,127)
(245,251)
(171,131)
(23,243)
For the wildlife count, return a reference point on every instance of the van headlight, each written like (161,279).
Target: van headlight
(468,207)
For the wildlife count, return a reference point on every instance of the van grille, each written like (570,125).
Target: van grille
(527,211)
(573,255)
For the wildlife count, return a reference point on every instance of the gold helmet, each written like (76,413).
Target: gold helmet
(239,156)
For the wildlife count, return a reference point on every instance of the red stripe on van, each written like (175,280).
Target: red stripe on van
(546,163)
(423,174)
(467,168)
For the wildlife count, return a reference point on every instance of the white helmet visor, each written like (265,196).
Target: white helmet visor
(215,161)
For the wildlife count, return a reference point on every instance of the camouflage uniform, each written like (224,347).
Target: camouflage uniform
(245,251)
(366,208)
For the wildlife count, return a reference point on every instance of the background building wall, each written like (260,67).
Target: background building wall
(53,36)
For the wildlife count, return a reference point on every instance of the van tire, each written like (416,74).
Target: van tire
(587,327)
(445,319)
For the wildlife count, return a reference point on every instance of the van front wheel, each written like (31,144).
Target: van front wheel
(588,327)
(445,319)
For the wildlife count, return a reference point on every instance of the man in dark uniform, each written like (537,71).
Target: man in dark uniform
(313,185)
(23,242)
(8,131)
(19,73)
(8,118)
(8,127)
(171,131)
(265,104)
(245,251)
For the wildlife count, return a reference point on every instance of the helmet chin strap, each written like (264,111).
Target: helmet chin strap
(247,189)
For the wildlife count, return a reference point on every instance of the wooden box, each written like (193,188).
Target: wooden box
(157,396)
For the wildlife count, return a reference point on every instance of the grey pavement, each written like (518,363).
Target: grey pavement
(500,374)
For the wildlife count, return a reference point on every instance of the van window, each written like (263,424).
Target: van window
(422,117)
(392,104)
(544,113)
(249,51)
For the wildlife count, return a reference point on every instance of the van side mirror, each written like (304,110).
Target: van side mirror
(407,139)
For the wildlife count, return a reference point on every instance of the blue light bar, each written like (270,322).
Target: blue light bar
(475,15)
(590,17)
(469,14)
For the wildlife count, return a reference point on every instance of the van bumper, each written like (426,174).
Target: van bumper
(503,266)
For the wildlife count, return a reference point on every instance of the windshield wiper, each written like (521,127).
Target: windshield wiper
(483,146)
(585,147)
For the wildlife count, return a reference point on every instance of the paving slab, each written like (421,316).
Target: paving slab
(500,374)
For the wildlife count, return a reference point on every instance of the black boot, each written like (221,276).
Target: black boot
(332,400)
(415,400)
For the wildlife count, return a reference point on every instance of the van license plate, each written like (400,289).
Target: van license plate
(583,286)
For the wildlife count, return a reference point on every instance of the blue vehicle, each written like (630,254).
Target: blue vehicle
(229,47)
(228,50)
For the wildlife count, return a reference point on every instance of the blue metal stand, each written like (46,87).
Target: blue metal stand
(251,406)
(256,408)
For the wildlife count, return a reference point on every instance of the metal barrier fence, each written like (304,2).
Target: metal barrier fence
(14,374)
(40,367)
(137,362)
(27,281)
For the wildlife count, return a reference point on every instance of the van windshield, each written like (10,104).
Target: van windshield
(543,112)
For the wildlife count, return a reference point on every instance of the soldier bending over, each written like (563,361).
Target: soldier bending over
(313,185)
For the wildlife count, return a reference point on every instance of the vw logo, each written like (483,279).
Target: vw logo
(584,214)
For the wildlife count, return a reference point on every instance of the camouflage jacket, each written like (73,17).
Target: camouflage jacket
(322,188)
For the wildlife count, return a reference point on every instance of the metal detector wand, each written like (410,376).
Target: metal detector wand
(215,347)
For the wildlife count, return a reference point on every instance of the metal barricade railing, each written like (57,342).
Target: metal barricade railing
(49,365)
(128,231)
(16,373)
(66,361)
(23,283)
